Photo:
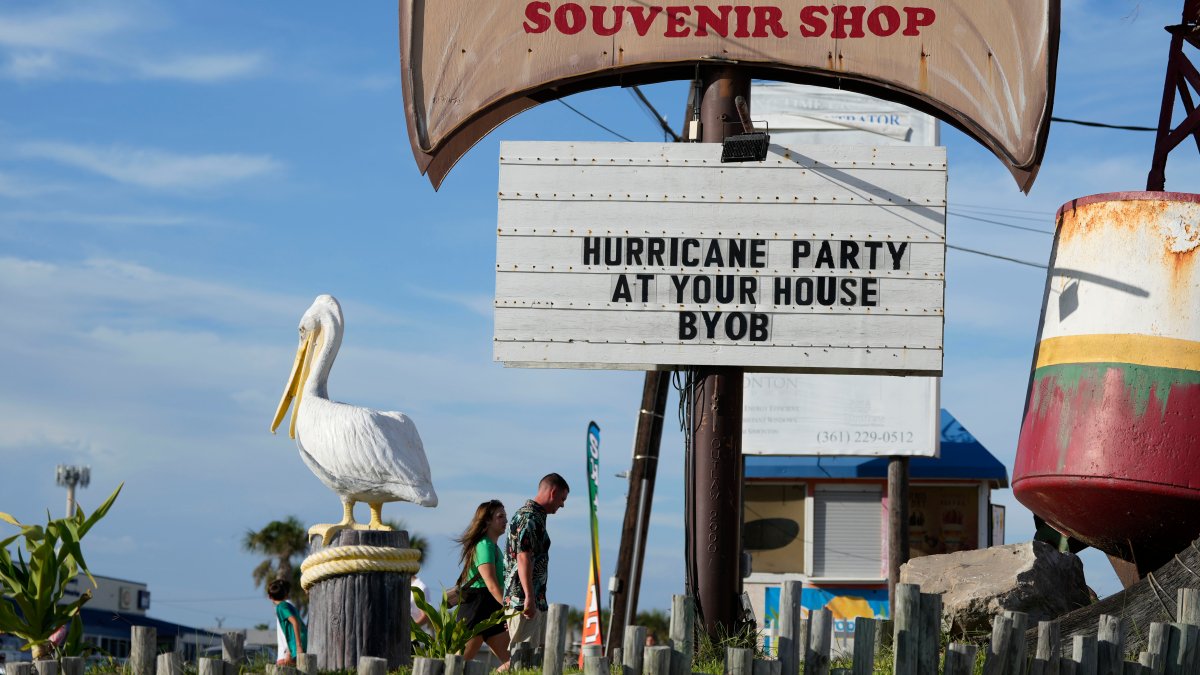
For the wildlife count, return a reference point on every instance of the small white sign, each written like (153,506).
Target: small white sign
(657,255)
(834,415)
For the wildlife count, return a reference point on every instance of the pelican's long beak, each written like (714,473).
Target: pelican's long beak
(295,387)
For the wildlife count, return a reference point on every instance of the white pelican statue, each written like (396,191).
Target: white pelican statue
(361,454)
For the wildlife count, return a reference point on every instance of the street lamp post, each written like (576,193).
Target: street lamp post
(68,476)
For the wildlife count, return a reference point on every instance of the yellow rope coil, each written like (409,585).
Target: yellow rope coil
(339,560)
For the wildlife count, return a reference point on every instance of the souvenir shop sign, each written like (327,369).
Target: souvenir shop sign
(650,255)
(985,67)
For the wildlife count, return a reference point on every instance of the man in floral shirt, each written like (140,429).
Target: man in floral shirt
(527,556)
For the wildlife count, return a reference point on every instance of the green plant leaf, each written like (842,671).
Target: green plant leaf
(9,519)
(100,511)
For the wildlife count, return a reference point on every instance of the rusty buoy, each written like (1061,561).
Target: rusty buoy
(1110,441)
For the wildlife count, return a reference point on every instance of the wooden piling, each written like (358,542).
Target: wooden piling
(427,666)
(1083,651)
(1048,651)
(767,667)
(739,661)
(307,663)
(1189,606)
(361,613)
(142,649)
(864,645)
(929,632)
(820,643)
(211,667)
(372,665)
(1181,650)
(996,662)
(1156,647)
(907,603)
(556,640)
(788,629)
(50,667)
(618,661)
(683,622)
(1110,646)
(72,665)
(454,664)
(960,659)
(595,665)
(20,668)
(169,664)
(657,660)
(633,649)
(1018,649)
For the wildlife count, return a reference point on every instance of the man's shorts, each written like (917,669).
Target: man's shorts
(521,629)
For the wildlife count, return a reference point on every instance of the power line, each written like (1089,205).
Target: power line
(649,107)
(577,112)
(1102,125)
(1000,223)
(997,256)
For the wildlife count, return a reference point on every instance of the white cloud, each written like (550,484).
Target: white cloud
(151,168)
(206,68)
(105,41)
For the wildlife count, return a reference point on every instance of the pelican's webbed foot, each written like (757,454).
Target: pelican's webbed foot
(326,530)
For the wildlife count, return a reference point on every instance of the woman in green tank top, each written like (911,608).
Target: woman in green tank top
(482,578)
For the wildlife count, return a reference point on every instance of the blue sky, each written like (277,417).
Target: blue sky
(179,180)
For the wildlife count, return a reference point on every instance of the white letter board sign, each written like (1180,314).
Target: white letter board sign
(657,255)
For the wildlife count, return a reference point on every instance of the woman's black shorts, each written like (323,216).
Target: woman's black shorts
(477,605)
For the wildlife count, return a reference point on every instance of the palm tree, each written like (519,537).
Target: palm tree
(283,542)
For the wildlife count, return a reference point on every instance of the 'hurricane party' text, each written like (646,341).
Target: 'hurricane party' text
(721,277)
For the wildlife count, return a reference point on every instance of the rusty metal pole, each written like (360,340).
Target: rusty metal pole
(716,434)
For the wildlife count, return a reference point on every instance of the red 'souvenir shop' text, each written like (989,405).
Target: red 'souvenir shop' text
(738,21)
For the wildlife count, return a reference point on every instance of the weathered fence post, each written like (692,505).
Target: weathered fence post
(209,666)
(307,663)
(474,667)
(427,666)
(907,629)
(960,659)
(21,668)
(996,661)
(788,628)
(1110,645)
(864,645)
(455,664)
(233,651)
(1189,606)
(929,632)
(820,643)
(1181,651)
(556,640)
(143,647)
(1018,650)
(683,622)
(633,649)
(372,665)
(767,667)
(1083,649)
(595,665)
(1156,647)
(739,661)
(1046,658)
(72,665)
(521,655)
(50,667)
(169,664)
(349,616)
(618,661)
(657,660)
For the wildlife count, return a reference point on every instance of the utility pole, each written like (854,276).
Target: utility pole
(627,578)
(68,476)
(897,489)
(715,495)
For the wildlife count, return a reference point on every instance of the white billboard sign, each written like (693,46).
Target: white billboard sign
(657,255)
(835,415)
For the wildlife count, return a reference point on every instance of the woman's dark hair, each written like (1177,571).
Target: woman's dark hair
(476,531)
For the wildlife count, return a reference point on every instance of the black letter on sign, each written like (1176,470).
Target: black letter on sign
(621,290)
(687,326)
(800,249)
(758,327)
(645,279)
(591,250)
